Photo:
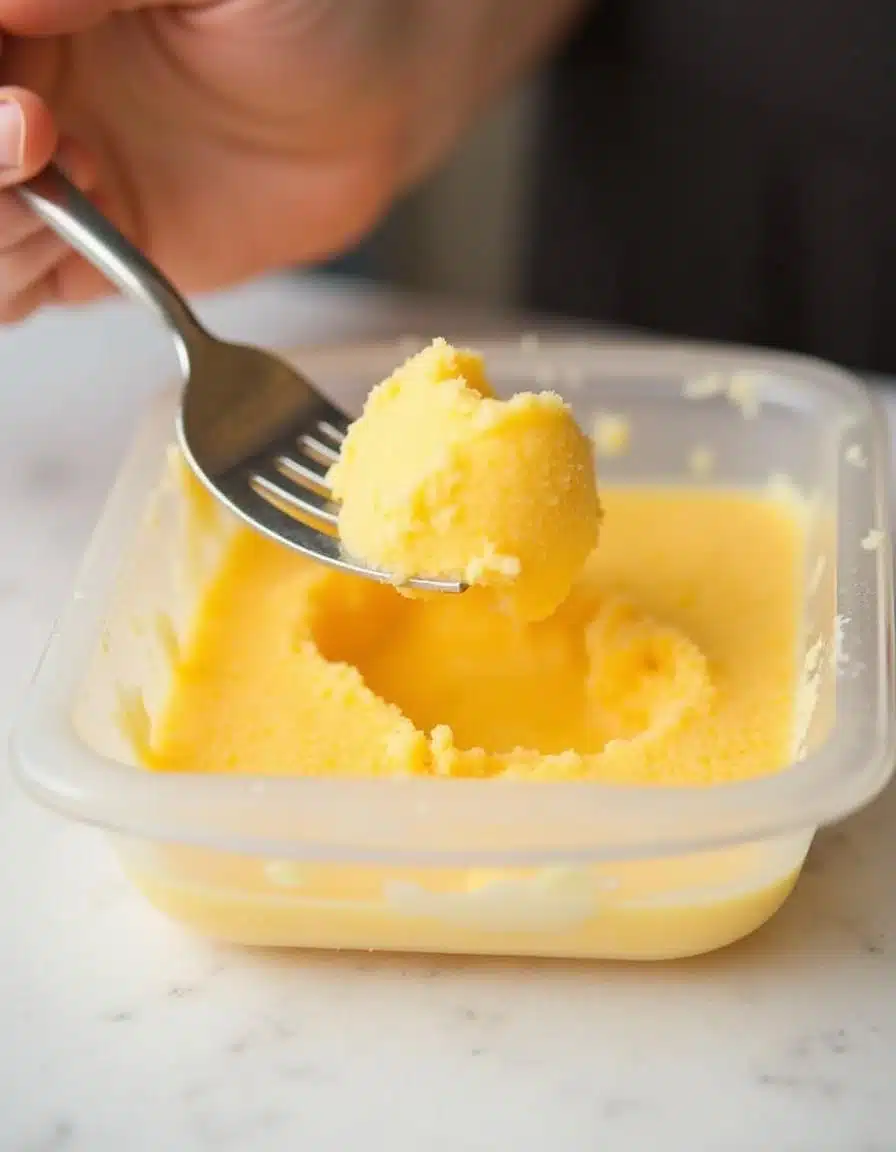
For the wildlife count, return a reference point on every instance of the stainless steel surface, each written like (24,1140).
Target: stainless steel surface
(255,431)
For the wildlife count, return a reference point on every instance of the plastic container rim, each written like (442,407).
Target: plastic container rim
(388,821)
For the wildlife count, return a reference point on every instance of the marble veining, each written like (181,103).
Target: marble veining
(122,1032)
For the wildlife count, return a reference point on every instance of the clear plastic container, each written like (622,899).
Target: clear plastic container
(573,869)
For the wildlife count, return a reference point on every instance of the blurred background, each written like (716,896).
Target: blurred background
(710,171)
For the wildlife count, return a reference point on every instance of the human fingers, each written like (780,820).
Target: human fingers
(28,135)
(30,253)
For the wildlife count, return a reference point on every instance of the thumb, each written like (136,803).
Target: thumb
(28,135)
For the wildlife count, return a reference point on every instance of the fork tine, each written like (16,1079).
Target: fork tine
(252,497)
(281,491)
(330,430)
(259,511)
(338,420)
(269,516)
(305,470)
(318,450)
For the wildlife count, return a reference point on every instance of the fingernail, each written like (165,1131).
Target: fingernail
(12,135)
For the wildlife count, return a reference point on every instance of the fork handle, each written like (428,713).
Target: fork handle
(65,209)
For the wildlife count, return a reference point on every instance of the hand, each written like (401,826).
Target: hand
(230,137)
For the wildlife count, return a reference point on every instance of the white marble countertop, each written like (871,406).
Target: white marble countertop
(120,1031)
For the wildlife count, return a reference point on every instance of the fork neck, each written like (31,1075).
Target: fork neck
(160,296)
(53,197)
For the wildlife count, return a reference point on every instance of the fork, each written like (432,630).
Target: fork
(255,431)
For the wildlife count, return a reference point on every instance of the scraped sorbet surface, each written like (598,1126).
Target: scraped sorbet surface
(664,655)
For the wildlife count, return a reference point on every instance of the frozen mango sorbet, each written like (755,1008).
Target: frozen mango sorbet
(439,478)
(664,654)
(672,661)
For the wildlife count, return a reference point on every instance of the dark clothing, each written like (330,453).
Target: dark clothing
(725,169)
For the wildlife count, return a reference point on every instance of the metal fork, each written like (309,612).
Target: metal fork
(256,432)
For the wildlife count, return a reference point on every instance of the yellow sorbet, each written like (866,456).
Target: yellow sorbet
(672,662)
(439,478)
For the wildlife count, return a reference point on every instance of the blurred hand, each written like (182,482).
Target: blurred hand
(229,137)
